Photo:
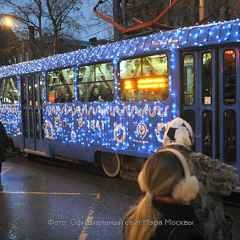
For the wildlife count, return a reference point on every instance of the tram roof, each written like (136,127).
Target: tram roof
(195,36)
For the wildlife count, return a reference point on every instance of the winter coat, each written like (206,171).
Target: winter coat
(177,222)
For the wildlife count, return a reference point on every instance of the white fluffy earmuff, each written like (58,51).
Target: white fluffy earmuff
(188,188)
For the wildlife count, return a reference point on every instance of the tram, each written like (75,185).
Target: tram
(111,102)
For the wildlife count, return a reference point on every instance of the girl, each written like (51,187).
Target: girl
(164,212)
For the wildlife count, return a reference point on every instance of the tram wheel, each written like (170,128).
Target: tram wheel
(111,164)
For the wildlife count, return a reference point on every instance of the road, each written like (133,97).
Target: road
(47,202)
(42,202)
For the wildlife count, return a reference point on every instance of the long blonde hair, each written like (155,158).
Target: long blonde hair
(159,175)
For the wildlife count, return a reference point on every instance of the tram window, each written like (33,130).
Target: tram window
(95,82)
(229,77)
(207,138)
(60,85)
(144,78)
(37,89)
(9,91)
(230,137)
(130,68)
(31,130)
(37,124)
(189,80)
(30,79)
(207,78)
(25,124)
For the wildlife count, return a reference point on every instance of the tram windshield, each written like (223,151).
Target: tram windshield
(9,91)
(144,78)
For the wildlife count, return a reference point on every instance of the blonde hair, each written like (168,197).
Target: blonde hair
(159,175)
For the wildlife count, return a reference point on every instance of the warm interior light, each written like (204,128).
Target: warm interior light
(230,55)
(229,52)
(152,82)
(52,97)
(129,84)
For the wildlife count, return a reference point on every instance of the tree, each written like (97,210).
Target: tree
(51,19)
(30,14)
(60,14)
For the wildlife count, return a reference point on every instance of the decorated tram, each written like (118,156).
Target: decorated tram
(110,103)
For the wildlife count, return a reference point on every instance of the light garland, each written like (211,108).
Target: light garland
(117,126)
(10,116)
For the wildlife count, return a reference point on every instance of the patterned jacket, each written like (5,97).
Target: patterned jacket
(217,180)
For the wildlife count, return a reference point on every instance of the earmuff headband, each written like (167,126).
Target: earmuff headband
(189,133)
(182,160)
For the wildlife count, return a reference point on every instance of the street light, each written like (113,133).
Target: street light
(8,21)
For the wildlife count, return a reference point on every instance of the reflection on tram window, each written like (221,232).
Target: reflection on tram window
(37,124)
(207,78)
(60,85)
(189,80)
(29,89)
(144,78)
(207,137)
(37,90)
(25,123)
(229,77)
(230,137)
(9,91)
(31,124)
(130,68)
(95,82)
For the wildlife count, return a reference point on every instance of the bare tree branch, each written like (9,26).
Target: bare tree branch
(59,13)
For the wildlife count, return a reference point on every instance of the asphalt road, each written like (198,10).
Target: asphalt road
(46,202)
(42,202)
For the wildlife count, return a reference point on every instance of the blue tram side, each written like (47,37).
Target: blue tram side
(113,100)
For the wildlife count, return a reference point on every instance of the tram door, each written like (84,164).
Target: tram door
(32,112)
(211,102)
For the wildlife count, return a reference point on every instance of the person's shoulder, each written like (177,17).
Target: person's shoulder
(199,155)
(203,160)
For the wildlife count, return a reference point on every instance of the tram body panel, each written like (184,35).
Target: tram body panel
(132,129)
